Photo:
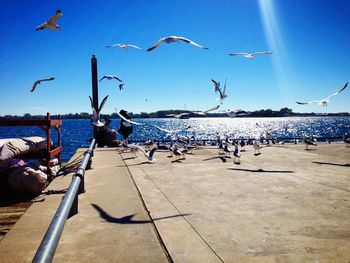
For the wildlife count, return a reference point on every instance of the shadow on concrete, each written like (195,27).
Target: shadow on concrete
(222,158)
(129,158)
(335,164)
(260,170)
(129,218)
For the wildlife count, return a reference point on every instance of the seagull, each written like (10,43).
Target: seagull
(125,46)
(149,155)
(172,39)
(250,55)
(346,140)
(39,82)
(256,147)
(237,113)
(324,102)
(126,120)
(206,111)
(309,141)
(216,85)
(51,23)
(222,93)
(175,150)
(121,86)
(110,77)
(178,116)
(236,155)
(96,112)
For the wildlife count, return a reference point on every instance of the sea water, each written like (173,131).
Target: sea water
(77,133)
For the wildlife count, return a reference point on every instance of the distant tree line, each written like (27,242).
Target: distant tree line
(284,112)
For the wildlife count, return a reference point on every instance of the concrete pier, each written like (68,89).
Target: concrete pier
(287,204)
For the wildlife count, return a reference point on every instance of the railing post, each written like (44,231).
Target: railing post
(94,86)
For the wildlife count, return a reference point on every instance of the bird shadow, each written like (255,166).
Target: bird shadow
(222,158)
(311,149)
(141,163)
(129,158)
(178,160)
(260,170)
(129,218)
(257,154)
(335,164)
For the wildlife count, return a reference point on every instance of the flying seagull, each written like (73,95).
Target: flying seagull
(96,112)
(237,113)
(178,116)
(39,82)
(125,46)
(149,155)
(51,23)
(172,39)
(110,77)
(126,120)
(222,93)
(167,131)
(121,86)
(324,102)
(216,85)
(206,111)
(250,55)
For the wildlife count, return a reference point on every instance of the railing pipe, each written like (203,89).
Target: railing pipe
(50,241)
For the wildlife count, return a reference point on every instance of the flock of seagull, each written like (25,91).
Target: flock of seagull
(51,24)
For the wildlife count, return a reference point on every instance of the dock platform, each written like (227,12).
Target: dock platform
(287,204)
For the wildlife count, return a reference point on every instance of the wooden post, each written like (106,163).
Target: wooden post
(94,86)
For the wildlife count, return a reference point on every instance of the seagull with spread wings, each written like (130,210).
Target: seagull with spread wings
(250,55)
(172,39)
(124,46)
(149,155)
(178,116)
(51,23)
(110,77)
(36,83)
(207,111)
(96,112)
(324,102)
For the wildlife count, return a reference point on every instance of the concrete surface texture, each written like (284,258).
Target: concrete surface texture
(284,205)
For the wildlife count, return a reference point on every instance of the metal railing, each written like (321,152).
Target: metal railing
(67,208)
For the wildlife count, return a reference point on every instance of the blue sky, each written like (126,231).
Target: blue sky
(310,40)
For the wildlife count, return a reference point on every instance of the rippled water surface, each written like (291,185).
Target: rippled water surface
(76,133)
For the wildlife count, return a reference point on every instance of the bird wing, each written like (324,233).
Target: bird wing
(170,115)
(238,54)
(102,104)
(224,91)
(94,112)
(212,109)
(336,93)
(137,148)
(309,102)
(117,79)
(113,45)
(47,79)
(182,114)
(34,85)
(103,78)
(52,20)
(191,42)
(41,26)
(126,120)
(134,46)
(264,52)
(160,41)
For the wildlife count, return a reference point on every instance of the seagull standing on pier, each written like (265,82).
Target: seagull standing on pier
(308,142)
(236,155)
(124,46)
(96,112)
(39,82)
(324,102)
(250,55)
(172,39)
(51,23)
(256,147)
